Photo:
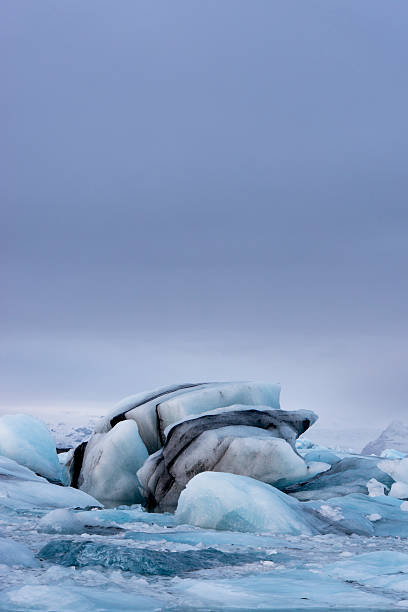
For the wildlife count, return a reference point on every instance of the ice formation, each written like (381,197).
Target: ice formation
(110,463)
(28,441)
(252,441)
(398,470)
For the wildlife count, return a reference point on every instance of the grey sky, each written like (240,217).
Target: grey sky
(205,190)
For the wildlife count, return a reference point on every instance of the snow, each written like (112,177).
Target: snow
(110,463)
(28,441)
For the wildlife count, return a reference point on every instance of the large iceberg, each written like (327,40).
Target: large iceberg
(28,441)
(395,437)
(254,441)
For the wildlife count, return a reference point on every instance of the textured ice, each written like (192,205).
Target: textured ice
(28,441)
(217,500)
(16,553)
(321,455)
(141,561)
(254,441)
(154,410)
(350,475)
(20,488)
(110,463)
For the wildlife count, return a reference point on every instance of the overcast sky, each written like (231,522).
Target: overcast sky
(198,190)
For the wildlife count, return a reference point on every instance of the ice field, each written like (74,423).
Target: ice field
(334,537)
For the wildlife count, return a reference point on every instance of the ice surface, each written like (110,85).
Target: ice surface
(20,488)
(29,442)
(217,500)
(321,455)
(16,553)
(110,463)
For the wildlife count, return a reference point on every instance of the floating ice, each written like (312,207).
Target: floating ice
(20,488)
(217,500)
(375,488)
(391,453)
(29,442)
(110,463)
(16,553)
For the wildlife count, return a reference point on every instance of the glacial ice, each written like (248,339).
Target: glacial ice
(28,441)
(20,488)
(215,500)
(375,488)
(110,463)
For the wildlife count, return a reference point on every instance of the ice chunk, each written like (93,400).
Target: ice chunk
(217,500)
(29,442)
(321,455)
(375,488)
(20,488)
(110,463)
(16,553)
(398,470)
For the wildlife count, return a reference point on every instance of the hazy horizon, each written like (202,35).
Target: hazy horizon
(205,191)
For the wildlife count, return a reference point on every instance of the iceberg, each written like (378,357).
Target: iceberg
(28,441)
(109,464)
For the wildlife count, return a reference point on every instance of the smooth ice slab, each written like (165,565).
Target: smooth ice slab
(28,441)
(20,488)
(229,502)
